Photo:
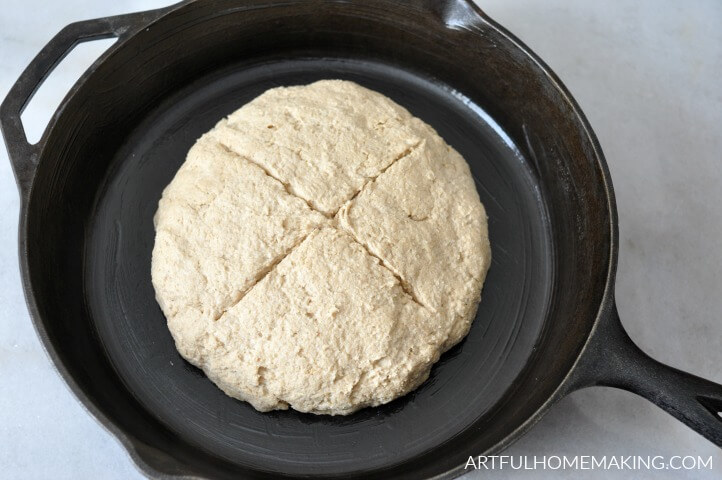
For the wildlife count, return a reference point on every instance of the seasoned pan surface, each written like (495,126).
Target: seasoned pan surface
(547,324)
(464,386)
(90,187)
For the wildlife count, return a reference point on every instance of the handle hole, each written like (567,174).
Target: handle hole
(714,405)
(42,105)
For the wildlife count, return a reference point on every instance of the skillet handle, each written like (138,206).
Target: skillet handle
(611,359)
(24,155)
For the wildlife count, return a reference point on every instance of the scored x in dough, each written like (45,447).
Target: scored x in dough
(323,140)
(319,249)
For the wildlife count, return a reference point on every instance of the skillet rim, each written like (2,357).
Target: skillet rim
(607,301)
(133,446)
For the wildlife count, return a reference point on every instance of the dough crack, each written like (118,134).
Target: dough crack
(370,180)
(286,186)
(263,273)
(405,286)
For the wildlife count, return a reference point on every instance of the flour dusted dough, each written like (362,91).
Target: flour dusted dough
(323,140)
(423,218)
(319,249)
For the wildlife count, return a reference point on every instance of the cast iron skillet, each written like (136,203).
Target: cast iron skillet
(547,324)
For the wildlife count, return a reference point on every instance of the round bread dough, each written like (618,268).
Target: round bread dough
(319,249)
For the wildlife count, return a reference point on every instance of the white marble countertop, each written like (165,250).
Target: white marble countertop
(646,73)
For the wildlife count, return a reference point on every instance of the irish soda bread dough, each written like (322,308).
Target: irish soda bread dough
(319,249)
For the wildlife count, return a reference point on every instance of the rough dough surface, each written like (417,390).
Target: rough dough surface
(319,249)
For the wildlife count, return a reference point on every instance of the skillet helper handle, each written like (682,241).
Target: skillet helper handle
(612,359)
(24,155)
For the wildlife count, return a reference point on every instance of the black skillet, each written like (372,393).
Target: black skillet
(547,324)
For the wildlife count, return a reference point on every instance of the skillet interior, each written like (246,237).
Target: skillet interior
(121,297)
(120,139)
